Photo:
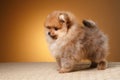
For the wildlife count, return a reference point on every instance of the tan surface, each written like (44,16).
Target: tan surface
(22,35)
(47,71)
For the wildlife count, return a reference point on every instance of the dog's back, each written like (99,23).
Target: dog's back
(95,41)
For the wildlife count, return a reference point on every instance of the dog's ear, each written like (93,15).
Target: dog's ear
(63,18)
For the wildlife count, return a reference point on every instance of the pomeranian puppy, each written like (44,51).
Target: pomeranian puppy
(70,42)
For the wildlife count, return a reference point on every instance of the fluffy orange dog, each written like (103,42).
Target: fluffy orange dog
(71,42)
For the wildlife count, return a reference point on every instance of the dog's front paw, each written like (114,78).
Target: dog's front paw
(64,70)
(58,69)
(61,71)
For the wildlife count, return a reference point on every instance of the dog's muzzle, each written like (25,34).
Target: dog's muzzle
(52,36)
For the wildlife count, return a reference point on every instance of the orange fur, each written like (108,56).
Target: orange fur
(70,42)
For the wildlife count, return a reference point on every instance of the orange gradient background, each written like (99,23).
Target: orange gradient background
(22,36)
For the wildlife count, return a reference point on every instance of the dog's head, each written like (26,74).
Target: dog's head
(57,24)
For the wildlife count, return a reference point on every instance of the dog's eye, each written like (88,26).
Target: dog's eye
(48,27)
(56,28)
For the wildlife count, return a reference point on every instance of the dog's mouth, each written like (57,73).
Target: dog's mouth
(53,37)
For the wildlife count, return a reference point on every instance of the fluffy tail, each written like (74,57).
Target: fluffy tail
(89,23)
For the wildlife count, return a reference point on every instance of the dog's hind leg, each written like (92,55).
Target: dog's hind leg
(102,65)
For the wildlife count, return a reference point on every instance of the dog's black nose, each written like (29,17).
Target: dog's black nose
(48,33)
